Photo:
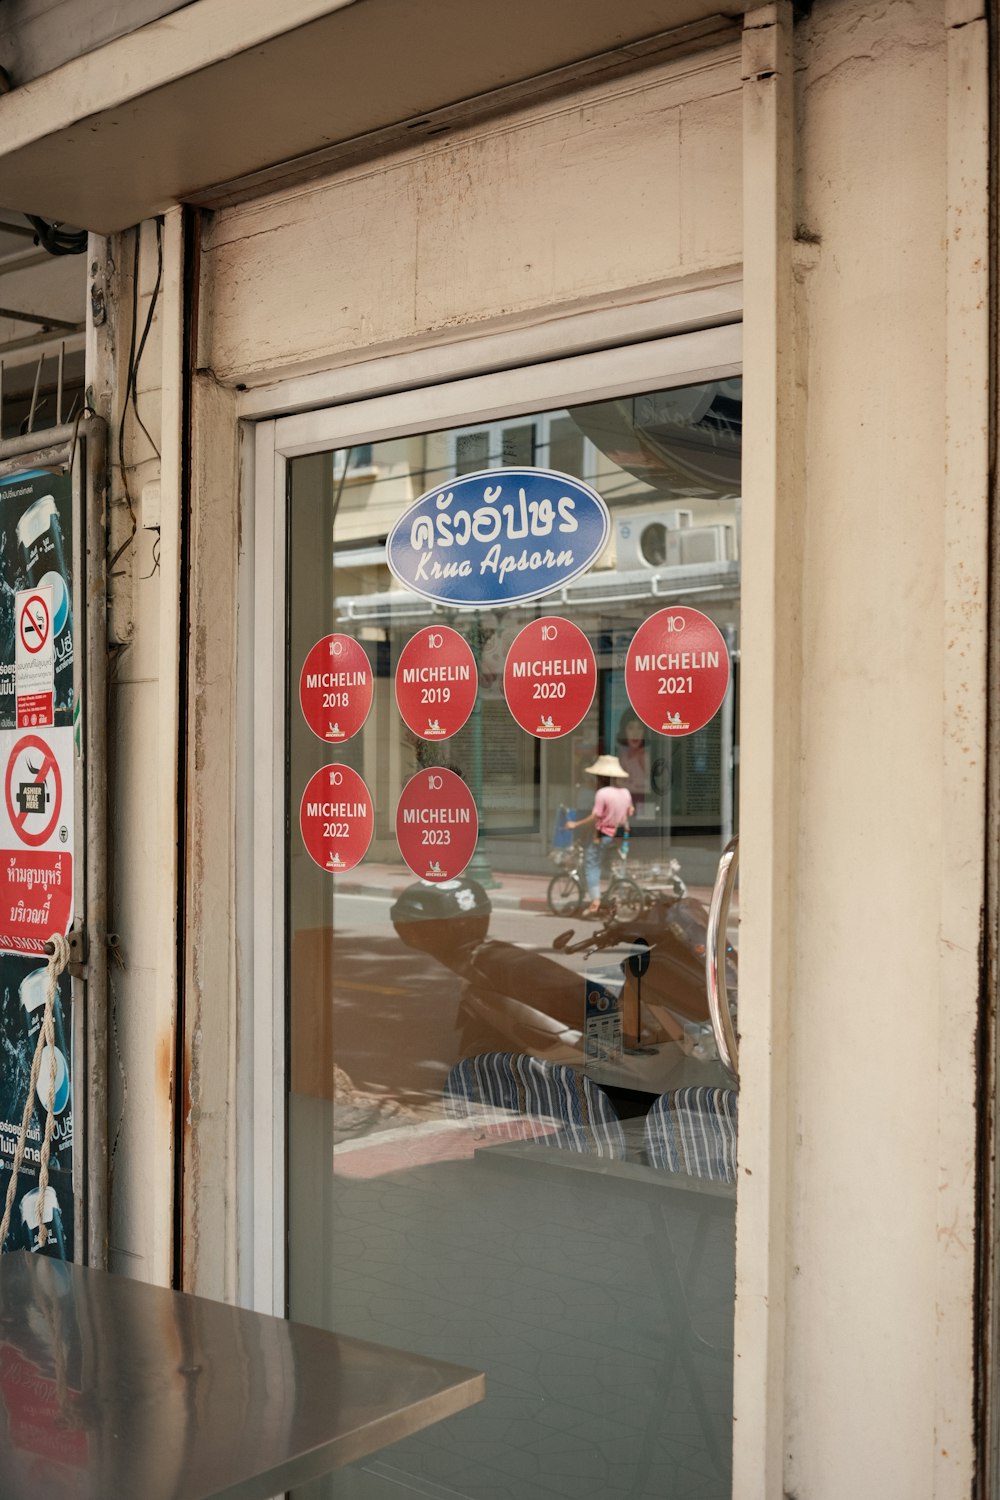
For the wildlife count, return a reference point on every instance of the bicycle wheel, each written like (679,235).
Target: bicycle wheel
(564,895)
(625,898)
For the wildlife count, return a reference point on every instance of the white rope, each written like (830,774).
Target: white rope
(58,960)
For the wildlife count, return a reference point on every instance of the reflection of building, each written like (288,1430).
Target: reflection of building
(389,212)
(674,536)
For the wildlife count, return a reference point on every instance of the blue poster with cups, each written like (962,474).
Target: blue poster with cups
(22,998)
(37,767)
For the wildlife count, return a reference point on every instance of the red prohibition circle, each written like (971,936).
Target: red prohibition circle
(49,764)
(336,818)
(42,638)
(436,682)
(550,677)
(437,824)
(336,688)
(677,671)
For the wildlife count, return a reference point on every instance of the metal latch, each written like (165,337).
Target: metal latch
(77,939)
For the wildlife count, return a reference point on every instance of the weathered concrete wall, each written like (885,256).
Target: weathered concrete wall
(216,839)
(614,192)
(142,741)
(860,925)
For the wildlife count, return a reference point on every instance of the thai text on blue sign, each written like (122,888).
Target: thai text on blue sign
(499,537)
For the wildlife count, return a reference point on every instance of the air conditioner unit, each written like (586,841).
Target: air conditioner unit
(700,544)
(641,536)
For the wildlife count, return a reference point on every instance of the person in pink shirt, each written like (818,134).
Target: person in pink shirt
(610,814)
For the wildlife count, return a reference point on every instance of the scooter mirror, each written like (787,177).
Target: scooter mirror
(563,940)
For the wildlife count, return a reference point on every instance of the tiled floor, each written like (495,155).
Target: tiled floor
(598,1298)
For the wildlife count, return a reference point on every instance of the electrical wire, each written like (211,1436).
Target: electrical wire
(56,238)
(145,335)
(155,565)
(132,370)
(123,474)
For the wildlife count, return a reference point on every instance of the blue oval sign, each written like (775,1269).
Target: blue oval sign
(500,537)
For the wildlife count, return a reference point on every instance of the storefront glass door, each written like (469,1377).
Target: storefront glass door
(510,1139)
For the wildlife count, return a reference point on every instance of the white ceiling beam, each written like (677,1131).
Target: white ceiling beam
(183,42)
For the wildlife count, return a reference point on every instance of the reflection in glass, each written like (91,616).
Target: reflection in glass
(511,1142)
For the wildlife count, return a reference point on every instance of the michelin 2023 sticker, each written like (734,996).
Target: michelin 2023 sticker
(437,824)
(499,537)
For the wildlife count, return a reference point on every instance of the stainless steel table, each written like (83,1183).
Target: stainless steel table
(114,1390)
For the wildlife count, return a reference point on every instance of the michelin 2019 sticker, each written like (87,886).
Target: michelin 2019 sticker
(499,537)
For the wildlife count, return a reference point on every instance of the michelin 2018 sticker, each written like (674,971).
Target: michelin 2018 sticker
(500,537)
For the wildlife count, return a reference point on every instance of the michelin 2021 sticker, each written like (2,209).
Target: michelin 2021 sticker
(677,670)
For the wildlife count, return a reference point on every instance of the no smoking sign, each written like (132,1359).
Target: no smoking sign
(34,623)
(36,838)
(34,657)
(33,788)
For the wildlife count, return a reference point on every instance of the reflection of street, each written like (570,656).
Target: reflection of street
(395,1009)
(389,1021)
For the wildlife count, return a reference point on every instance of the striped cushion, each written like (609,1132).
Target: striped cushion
(694,1131)
(545,1093)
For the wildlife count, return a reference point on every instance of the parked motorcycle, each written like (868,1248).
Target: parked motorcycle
(515,999)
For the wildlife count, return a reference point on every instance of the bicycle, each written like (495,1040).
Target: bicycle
(660,882)
(624,898)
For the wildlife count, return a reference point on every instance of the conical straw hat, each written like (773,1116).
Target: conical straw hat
(606,765)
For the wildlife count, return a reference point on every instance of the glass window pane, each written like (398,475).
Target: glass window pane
(508,1148)
(519,445)
(472,452)
(565,447)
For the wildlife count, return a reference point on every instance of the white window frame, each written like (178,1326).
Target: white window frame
(713,353)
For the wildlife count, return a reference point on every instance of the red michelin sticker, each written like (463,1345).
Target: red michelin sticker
(436,682)
(549,677)
(336,818)
(335,688)
(437,824)
(677,671)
